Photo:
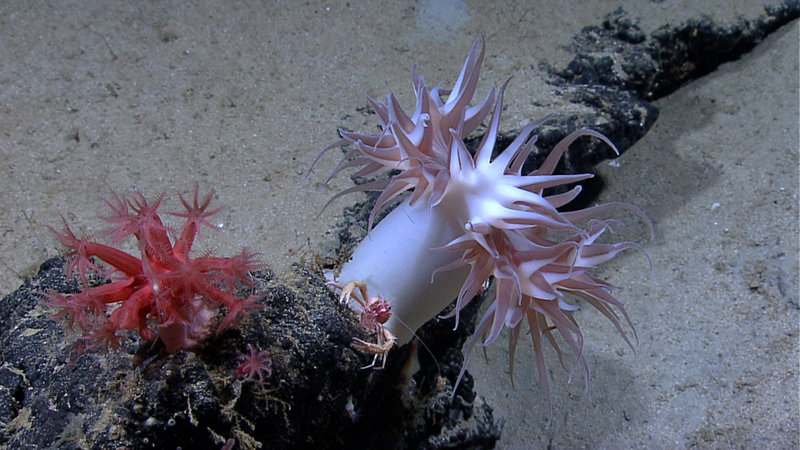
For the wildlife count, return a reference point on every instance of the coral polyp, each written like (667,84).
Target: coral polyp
(165,292)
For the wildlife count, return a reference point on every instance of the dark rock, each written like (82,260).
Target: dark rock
(142,397)
(617,54)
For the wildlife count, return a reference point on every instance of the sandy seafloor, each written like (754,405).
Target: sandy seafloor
(155,96)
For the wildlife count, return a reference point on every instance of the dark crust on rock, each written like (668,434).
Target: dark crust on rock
(142,397)
(656,65)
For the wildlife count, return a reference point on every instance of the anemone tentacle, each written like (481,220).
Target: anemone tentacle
(418,143)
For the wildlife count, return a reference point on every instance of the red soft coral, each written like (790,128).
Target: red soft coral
(165,292)
(256,363)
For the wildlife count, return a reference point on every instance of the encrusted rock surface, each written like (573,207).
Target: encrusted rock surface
(317,396)
(618,54)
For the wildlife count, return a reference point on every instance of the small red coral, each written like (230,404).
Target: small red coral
(164,293)
(255,364)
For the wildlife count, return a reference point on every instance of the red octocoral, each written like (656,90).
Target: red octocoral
(255,364)
(165,293)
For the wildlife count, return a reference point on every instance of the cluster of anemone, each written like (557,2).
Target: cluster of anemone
(468,218)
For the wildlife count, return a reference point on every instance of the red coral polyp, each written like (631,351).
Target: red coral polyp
(254,364)
(165,292)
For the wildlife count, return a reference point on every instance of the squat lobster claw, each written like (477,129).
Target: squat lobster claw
(375,311)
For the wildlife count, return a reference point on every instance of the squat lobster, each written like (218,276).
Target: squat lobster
(375,311)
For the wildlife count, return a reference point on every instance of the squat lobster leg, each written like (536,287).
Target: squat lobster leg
(381,348)
(347,292)
(375,311)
